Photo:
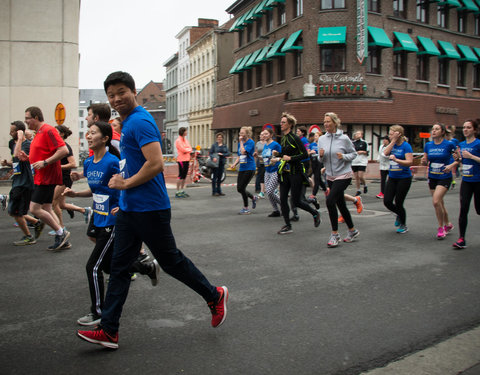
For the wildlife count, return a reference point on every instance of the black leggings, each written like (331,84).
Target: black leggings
(397,188)
(292,183)
(383,180)
(243,179)
(317,176)
(467,190)
(336,199)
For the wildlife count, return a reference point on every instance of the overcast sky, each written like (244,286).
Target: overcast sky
(136,36)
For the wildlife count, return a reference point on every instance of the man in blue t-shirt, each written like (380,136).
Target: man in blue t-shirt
(144,215)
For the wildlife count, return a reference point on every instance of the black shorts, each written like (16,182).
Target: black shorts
(434,182)
(43,194)
(67,181)
(182,169)
(19,201)
(359,168)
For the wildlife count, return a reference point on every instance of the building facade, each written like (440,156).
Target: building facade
(152,98)
(374,63)
(171,93)
(87,97)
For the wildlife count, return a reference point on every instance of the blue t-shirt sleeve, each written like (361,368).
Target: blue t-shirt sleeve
(249,147)
(407,148)
(145,132)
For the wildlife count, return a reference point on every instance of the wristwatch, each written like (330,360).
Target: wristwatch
(45,163)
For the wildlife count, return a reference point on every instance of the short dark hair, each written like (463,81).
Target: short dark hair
(182,131)
(102,110)
(62,129)
(303,129)
(35,112)
(19,125)
(119,77)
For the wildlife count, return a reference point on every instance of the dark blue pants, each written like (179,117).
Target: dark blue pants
(153,228)
(217,178)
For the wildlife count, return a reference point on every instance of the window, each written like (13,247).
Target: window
(443,71)
(282,17)
(269,18)
(422,11)
(374,60)
(259,27)
(332,4)
(249,33)
(297,8)
(462,22)
(476,76)
(476,26)
(400,8)
(400,64)
(297,63)
(373,6)
(442,16)
(240,38)
(269,71)
(461,73)
(281,68)
(249,79)
(422,67)
(258,76)
(240,82)
(332,59)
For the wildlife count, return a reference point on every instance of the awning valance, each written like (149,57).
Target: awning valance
(449,51)
(469,6)
(379,38)
(332,35)
(406,43)
(429,48)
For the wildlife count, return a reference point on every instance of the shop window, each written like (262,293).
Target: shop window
(281,68)
(297,63)
(400,64)
(461,73)
(462,22)
(249,33)
(259,27)
(281,14)
(476,76)
(269,72)
(332,59)
(423,67)
(422,11)
(400,8)
(269,20)
(332,4)
(443,66)
(258,76)
(374,60)
(240,82)
(442,16)
(249,79)
(297,8)
(373,6)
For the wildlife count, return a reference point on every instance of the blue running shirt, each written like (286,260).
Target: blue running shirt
(247,162)
(396,170)
(439,156)
(470,168)
(267,155)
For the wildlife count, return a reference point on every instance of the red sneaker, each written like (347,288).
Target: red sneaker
(219,308)
(359,204)
(100,337)
(341,219)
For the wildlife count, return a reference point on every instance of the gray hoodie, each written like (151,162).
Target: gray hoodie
(333,143)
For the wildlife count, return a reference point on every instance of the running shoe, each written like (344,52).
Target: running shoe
(261,195)
(60,240)
(295,217)
(244,211)
(26,240)
(100,337)
(379,196)
(89,320)
(441,233)
(153,274)
(402,229)
(87,214)
(3,201)
(460,244)
(67,245)
(358,193)
(453,185)
(254,202)
(219,308)
(71,213)
(358,203)
(286,229)
(52,233)
(448,228)
(275,214)
(397,221)
(365,189)
(334,240)
(316,220)
(133,277)
(351,235)
(341,220)
(39,225)
(143,257)
(315,203)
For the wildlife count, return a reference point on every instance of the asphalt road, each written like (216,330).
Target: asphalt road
(296,307)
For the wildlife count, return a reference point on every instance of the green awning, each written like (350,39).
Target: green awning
(332,35)
(379,37)
(478,3)
(429,48)
(234,67)
(252,60)
(262,56)
(467,53)
(248,17)
(259,9)
(450,3)
(477,50)
(406,43)
(289,44)
(450,51)
(273,52)
(241,66)
(269,5)
(469,6)
(238,24)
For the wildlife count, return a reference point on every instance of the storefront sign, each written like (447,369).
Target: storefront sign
(341,78)
(362,21)
(446,110)
(357,89)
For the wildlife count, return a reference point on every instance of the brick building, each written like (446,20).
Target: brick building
(374,63)
(153,98)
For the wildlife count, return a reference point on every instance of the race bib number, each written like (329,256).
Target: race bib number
(467,170)
(436,168)
(101,204)
(122,164)
(394,166)
(243,159)
(16,168)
